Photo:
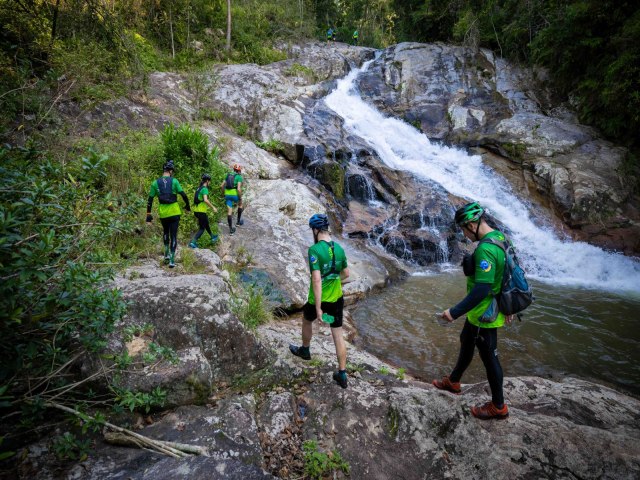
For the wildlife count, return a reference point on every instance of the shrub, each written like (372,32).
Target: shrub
(318,465)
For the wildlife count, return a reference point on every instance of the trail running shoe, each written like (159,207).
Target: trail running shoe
(232,231)
(240,222)
(340,378)
(193,245)
(447,385)
(489,411)
(214,238)
(301,351)
(172,262)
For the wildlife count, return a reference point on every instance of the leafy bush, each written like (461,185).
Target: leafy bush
(53,301)
(318,465)
(271,145)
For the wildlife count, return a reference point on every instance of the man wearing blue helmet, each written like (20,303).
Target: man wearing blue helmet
(328,265)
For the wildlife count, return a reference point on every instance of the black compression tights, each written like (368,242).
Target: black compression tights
(486,339)
(170,231)
(203,223)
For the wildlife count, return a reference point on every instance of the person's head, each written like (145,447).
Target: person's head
(206,179)
(469,218)
(168,167)
(318,222)
(237,168)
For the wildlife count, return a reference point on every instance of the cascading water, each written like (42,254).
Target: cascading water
(545,256)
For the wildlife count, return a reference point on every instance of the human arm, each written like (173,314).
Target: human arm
(344,274)
(205,199)
(152,193)
(478,293)
(239,189)
(186,201)
(316,284)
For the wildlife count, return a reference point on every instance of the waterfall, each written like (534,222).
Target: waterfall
(546,256)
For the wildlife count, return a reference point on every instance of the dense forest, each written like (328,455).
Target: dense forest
(68,211)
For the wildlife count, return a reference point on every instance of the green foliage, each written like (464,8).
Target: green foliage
(318,465)
(297,70)
(241,128)
(400,373)
(68,447)
(271,145)
(251,308)
(53,302)
(384,370)
(140,400)
(131,331)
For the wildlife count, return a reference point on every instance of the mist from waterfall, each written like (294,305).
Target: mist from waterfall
(544,254)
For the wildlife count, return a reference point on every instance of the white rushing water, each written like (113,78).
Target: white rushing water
(545,256)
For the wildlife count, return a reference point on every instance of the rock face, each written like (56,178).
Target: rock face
(479,100)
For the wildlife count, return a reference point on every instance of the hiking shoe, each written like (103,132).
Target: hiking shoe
(489,411)
(172,262)
(166,260)
(240,222)
(340,378)
(232,231)
(301,351)
(447,385)
(193,245)
(214,238)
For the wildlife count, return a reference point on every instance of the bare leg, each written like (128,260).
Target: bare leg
(341,349)
(307,332)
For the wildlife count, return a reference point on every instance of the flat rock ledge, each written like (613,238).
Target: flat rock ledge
(384,426)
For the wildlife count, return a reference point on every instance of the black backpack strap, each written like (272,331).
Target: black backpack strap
(333,260)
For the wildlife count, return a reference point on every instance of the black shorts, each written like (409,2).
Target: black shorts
(332,308)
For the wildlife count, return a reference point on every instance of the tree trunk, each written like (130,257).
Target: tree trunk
(173,48)
(228,25)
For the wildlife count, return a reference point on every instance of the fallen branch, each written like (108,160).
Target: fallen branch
(129,438)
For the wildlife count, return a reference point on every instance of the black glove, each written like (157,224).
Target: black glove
(149,217)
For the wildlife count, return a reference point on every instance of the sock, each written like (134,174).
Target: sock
(240,213)
(166,250)
(230,220)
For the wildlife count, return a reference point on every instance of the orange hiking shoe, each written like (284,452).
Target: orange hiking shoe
(448,385)
(489,411)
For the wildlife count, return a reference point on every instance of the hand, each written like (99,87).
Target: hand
(319,314)
(509,318)
(447,315)
(149,218)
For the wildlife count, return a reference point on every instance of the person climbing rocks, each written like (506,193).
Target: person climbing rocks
(328,266)
(167,188)
(232,189)
(484,271)
(200,203)
(355,37)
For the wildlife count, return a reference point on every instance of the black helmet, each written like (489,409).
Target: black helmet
(206,177)
(319,221)
(471,212)
(168,166)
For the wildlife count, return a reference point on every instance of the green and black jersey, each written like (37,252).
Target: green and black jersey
(489,262)
(201,206)
(233,192)
(321,258)
(167,209)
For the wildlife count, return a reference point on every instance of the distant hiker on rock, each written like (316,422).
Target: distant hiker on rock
(484,271)
(200,202)
(355,37)
(232,189)
(330,34)
(167,188)
(328,265)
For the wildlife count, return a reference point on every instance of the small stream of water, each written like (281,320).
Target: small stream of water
(584,321)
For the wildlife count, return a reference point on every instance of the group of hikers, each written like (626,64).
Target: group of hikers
(484,271)
(167,188)
(328,268)
(332,32)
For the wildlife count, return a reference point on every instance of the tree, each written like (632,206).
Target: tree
(228,46)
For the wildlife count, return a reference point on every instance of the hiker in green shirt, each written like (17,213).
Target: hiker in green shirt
(328,265)
(167,188)
(355,37)
(484,270)
(232,190)
(200,202)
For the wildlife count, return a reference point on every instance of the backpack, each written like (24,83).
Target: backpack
(165,191)
(515,293)
(230,181)
(196,200)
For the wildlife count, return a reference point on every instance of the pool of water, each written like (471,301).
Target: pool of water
(567,331)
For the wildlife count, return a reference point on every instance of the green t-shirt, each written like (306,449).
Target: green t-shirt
(201,206)
(169,209)
(320,258)
(234,191)
(489,262)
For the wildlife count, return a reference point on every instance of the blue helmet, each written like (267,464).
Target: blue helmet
(319,221)
(168,167)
